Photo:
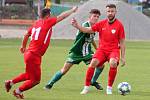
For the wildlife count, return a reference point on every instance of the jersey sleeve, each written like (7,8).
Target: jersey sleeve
(96,27)
(85,24)
(52,21)
(121,32)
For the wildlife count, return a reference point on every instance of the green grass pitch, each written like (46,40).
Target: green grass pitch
(136,72)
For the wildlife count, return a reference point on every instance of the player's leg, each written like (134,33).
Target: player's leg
(34,77)
(98,59)
(113,61)
(19,78)
(33,71)
(57,76)
(72,59)
(89,75)
(97,73)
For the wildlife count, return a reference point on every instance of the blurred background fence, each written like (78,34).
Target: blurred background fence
(28,9)
(24,12)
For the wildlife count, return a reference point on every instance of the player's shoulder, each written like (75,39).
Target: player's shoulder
(51,18)
(103,21)
(36,23)
(119,22)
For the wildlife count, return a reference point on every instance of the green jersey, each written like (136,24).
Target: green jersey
(81,49)
(82,44)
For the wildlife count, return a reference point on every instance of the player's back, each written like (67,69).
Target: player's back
(40,35)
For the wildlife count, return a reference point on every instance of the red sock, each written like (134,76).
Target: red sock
(20,78)
(112,75)
(27,85)
(34,79)
(89,75)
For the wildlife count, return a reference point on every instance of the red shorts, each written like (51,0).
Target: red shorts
(33,65)
(103,55)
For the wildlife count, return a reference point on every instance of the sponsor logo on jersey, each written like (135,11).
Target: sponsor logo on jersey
(113,31)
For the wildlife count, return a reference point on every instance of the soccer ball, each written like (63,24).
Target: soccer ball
(124,88)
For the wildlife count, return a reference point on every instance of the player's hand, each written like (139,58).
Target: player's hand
(123,61)
(74,22)
(74,9)
(22,49)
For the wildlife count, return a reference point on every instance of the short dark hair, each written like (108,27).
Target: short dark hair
(95,11)
(111,5)
(45,12)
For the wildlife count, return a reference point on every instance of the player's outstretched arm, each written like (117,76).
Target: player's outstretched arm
(24,43)
(81,28)
(66,14)
(122,47)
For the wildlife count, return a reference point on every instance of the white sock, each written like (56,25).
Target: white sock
(86,87)
(18,91)
(109,87)
(11,83)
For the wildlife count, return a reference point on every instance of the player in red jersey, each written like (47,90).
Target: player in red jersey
(40,34)
(111,40)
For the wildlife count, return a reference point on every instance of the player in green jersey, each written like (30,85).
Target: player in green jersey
(81,51)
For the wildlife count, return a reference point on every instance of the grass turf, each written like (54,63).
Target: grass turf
(136,72)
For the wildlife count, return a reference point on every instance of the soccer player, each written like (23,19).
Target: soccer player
(111,40)
(80,51)
(40,34)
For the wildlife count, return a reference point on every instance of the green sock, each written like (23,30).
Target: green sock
(97,72)
(55,78)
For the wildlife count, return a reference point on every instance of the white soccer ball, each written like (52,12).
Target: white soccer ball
(124,88)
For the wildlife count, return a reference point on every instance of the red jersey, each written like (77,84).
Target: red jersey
(109,34)
(40,35)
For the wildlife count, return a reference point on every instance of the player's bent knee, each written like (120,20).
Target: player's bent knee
(36,82)
(94,63)
(66,68)
(64,71)
(113,63)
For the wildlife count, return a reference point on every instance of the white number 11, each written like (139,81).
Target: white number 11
(35,33)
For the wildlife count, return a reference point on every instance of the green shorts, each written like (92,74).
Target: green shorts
(76,59)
